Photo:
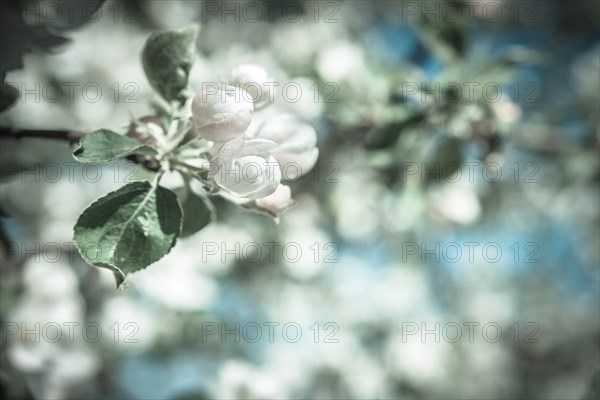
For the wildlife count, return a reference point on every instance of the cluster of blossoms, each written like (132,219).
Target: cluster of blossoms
(207,143)
(251,163)
(244,158)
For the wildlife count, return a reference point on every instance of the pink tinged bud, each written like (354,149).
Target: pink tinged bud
(278,201)
(222,115)
(296,149)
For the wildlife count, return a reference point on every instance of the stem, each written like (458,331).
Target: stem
(189,167)
(172,128)
(157,177)
(163,104)
(188,188)
(60,134)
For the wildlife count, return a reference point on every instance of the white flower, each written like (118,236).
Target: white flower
(247,163)
(278,201)
(245,168)
(253,78)
(222,115)
(296,140)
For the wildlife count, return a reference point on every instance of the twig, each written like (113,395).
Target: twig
(60,134)
(69,136)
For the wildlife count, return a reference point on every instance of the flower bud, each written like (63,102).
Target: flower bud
(246,169)
(147,130)
(278,201)
(296,140)
(222,115)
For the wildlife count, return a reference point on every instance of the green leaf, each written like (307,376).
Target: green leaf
(104,145)
(8,96)
(198,212)
(167,59)
(129,229)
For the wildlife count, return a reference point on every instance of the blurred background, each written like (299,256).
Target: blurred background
(446,245)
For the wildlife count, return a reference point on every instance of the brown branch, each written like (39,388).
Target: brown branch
(60,134)
(69,136)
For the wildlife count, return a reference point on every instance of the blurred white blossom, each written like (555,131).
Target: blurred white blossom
(255,80)
(296,149)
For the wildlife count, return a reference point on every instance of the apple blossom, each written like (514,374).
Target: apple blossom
(252,78)
(245,168)
(222,115)
(296,140)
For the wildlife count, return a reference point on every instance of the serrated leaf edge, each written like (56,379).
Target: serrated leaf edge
(119,275)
